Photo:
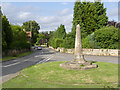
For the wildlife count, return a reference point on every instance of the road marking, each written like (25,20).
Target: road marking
(46,59)
(11,64)
(15,63)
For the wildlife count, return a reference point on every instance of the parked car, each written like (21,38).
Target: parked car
(39,48)
(34,47)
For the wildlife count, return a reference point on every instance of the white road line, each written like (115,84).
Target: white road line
(26,60)
(15,63)
(11,64)
(45,60)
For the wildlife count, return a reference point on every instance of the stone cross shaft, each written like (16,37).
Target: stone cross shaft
(78,57)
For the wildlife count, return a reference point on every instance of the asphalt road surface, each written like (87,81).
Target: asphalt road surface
(11,68)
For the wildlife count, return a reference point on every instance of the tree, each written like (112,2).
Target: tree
(40,38)
(59,35)
(6,33)
(34,27)
(101,18)
(19,38)
(90,16)
(60,32)
(106,38)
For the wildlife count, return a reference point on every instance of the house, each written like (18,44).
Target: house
(28,33)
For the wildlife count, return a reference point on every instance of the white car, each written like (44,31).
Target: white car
(34,47)
(39,48)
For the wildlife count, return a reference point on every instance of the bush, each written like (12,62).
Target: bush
(20,45)
(89,42)
(58,43)
(69,42)
(106,38)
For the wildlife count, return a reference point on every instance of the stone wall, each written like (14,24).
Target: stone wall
(104,52)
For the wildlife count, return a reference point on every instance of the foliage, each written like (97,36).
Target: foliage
(57,37)
(6,33)
(106,38)
(43,38)
(40,38)
(69,41)
(19,38)
(58,42)
(60,33)
(34,27)
(90,16)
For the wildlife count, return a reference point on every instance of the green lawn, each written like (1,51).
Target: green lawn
(50,75)
(14,57)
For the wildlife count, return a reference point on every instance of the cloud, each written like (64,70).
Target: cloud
(66,11)
(24,15)
(110,0)
(53,22)
(113,14)
(47,23)
(64,3)
(18,15)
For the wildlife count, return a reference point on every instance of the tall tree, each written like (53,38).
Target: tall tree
(0,29)
(101,18)
(6,33)
(57,39)
(90,16)
(32,26)
(19,38)
(60,32)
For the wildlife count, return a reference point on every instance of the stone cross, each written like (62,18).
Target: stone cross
(78,56)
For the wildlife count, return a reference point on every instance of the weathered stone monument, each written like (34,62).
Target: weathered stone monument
(78,63)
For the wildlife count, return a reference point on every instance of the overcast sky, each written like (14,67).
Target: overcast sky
(49,15)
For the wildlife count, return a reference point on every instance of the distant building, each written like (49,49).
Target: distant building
(115,24)
(28,33)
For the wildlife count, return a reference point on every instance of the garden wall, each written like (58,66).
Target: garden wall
(104,52)
(13,52)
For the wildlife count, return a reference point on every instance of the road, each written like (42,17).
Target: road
(11,68)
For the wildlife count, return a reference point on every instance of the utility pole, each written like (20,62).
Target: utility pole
(31,36)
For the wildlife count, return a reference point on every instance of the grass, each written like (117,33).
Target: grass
(50,75)
(17,56)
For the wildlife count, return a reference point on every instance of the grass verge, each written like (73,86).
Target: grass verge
(17,56)
(50,75)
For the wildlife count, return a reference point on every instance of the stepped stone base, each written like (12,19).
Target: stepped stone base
(78,66)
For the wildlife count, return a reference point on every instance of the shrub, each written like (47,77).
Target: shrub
(58,43)
(69,42)
(20,45)
(106,38)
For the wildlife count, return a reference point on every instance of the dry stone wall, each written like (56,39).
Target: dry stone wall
(104,52)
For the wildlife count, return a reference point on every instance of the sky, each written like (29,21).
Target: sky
(49,15)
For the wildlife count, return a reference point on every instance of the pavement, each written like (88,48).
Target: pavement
(12,68)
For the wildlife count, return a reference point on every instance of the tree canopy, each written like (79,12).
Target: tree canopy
(90,16)
(7,35)
(32,26)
